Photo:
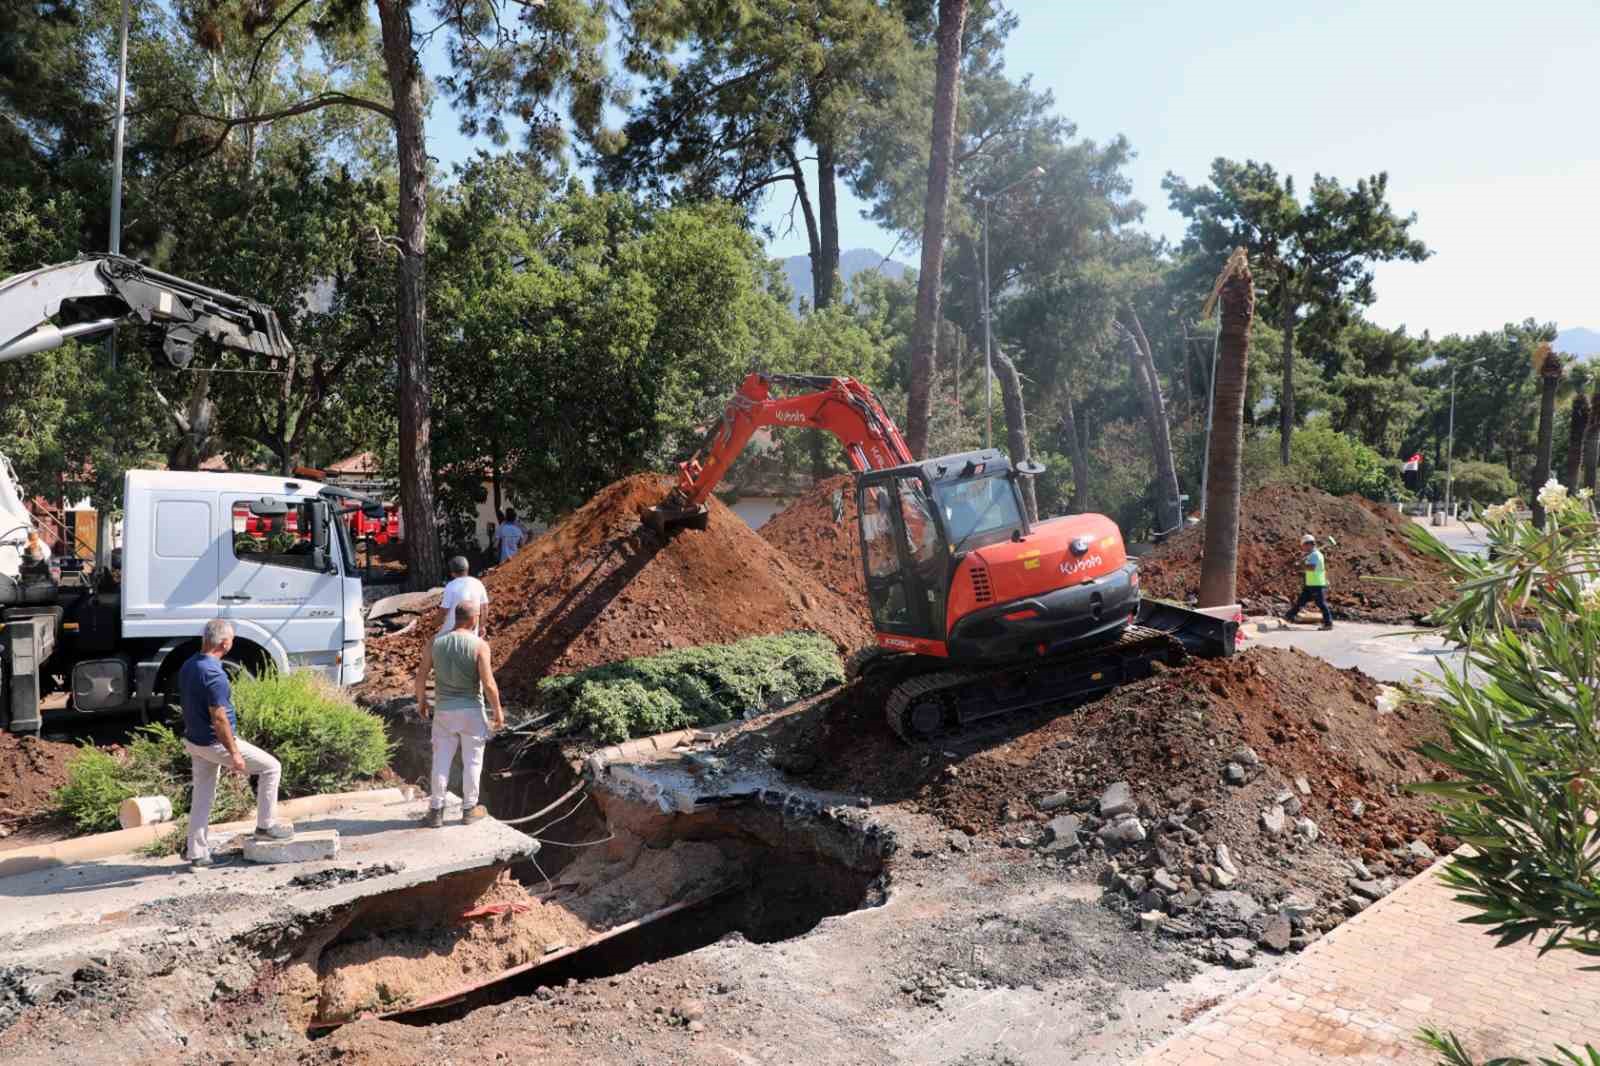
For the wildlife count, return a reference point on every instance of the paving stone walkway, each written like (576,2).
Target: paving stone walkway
(1359,994)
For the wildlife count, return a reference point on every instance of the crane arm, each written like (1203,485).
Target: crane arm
(841,406)
(43,309)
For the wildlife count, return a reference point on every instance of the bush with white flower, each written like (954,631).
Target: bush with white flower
(1523,718)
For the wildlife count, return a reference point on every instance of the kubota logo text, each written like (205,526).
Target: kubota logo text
(791,416)
(1088,562)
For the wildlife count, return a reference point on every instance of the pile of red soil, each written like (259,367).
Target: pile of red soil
(1170,736)
(598,588)
(1371,544)
(31,770)
(1175,733)
(806,532)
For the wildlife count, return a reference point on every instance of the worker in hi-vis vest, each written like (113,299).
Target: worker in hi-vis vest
(1315,589)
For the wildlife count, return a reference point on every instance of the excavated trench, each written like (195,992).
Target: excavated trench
(640,886)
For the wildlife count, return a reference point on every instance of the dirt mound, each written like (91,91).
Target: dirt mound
(807,532)
(1172,736)
(1371,544)
(30,772)
(598,587)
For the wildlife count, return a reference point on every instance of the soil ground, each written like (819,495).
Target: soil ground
(807,532)
(1374,575)
(598,587)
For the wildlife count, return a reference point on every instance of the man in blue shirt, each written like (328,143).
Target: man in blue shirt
(209,726)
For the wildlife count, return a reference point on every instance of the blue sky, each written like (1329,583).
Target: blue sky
(1483,115)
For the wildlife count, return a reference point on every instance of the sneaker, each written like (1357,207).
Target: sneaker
(476,814)
(202,863)
(435,817)
(275,831)
(1326,626)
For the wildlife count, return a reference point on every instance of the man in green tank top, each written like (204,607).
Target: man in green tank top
(1315,588)
(466,710)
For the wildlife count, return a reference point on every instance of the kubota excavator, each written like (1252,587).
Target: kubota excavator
(984,612)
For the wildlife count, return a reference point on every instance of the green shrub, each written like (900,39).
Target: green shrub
(692,686)
(1339,464)
(325,743)
(1483,483)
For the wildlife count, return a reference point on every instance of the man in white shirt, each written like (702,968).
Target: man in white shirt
(462,587)
(509,536)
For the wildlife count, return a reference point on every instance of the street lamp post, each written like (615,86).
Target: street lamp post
(116,153)
(1450,436)
(988,357)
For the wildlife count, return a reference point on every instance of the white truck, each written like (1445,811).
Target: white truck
(271,554)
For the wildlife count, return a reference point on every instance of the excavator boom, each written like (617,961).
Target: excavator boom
(43,309)
(841,406)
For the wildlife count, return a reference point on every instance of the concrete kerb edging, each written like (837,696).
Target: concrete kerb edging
(1322,943)
(124,841)
(649,746)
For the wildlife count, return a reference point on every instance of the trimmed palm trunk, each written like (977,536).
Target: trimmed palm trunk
(1591,442)
(416,426)
(1575,440)
(1219,561)
(1550,372)
(1016,425)
(1155,412)
(930,280)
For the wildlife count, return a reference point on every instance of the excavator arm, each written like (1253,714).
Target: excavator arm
(841,406)
(43,309)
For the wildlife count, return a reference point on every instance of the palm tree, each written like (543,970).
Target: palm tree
(947,90)
(1591,440)
(1548,366)
(1219,561)
(1577,433)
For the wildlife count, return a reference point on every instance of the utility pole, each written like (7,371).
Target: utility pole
(116,153)
(1211,404)
(1450,437)
(988,348)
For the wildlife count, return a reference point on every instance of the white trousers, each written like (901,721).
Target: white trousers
(470,732)
(205,763)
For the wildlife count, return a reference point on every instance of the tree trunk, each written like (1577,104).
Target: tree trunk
(1080,459)
(1591,442)
(930,281)
(825,267)
(1148,383)
(1286,398)
(1219,563)
(1016,425)
(1575,440)
(416,459)
(1549,381)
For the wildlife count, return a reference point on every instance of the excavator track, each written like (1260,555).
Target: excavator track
(951,702)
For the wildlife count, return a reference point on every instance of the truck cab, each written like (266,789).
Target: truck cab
(272,555)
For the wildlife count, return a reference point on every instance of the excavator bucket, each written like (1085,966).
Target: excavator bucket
(666,517)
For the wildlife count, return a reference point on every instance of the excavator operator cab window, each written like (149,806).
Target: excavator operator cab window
(978,508)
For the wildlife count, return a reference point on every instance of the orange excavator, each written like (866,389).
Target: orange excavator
(979,612)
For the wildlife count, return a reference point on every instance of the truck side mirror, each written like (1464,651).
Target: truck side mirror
(267,507)
(320,535)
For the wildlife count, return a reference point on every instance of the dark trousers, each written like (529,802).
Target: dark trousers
(1310,594)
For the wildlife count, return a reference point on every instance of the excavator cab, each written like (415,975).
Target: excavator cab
(915,521)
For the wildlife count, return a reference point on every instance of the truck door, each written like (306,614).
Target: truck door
(170,572)
(273,575)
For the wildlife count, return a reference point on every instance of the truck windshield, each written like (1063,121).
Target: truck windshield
(977,507)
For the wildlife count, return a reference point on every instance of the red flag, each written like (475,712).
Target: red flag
(1413,463)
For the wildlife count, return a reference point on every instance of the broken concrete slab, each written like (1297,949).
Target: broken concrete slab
(302,847)
(1117,800)
(120,902)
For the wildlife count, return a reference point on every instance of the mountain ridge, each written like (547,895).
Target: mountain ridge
(797,268)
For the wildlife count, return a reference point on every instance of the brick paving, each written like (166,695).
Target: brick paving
(1361,992)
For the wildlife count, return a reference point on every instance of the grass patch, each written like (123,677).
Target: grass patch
(324,741)
(692,686)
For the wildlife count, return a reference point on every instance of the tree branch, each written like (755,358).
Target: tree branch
(312,103)
(262,47)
